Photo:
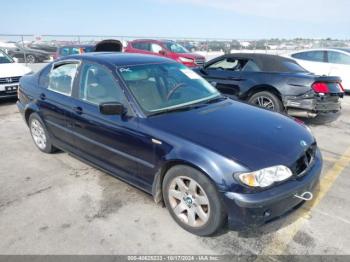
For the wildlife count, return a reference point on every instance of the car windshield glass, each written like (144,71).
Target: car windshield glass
(166,86)
(175,47)
(5,59)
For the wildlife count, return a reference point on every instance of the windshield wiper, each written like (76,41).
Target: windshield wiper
(191,106)
(177,109)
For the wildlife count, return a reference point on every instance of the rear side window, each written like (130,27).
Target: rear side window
(338,58)
(141,46)
(251,66)
(61,78)
(155,48)
(315,56)
(97,85)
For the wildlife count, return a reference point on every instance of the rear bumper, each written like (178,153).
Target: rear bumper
(245,210)
(312,107)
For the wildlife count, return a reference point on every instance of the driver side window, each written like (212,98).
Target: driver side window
(97,85)
(230,64)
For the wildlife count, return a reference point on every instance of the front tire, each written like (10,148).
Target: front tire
(266,100)
(31,59)
(40,135)
(193,201)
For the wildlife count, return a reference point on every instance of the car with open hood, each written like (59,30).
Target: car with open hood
(161,127)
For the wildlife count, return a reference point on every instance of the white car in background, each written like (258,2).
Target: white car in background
(326,61)
(10,73)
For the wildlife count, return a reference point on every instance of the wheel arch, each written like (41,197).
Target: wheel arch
(157,191)
(30,109)
(261,88)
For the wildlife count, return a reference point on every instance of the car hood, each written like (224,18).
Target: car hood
(253,137)
(13,69)
(191,55)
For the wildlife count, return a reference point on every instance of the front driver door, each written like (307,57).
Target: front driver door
(112,142)
(225,75)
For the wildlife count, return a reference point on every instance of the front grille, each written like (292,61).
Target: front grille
(9,80)
(305,161)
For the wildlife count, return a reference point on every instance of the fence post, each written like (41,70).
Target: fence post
(24,51)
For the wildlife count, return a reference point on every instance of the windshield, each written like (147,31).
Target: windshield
(175,47)
(167,86)
(5,59)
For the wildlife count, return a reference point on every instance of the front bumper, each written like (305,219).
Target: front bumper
(313,106)
(8,90)
(254,209)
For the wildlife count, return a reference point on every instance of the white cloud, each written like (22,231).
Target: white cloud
(318,11)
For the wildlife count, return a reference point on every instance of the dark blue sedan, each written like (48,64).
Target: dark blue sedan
(159,126)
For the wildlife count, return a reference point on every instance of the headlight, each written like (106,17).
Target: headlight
(186,60)
(265,177)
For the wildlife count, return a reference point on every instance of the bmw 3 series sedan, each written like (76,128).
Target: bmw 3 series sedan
(159,126)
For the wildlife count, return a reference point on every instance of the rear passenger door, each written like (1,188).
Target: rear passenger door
(55,99)
(110,141)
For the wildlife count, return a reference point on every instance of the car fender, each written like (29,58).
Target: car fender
(217,168)
(30,108)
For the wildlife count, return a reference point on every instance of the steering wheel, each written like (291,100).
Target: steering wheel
(172,91)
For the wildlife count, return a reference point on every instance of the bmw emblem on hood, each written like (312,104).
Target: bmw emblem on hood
(303,143)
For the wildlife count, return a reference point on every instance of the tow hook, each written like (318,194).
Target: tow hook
(307,196)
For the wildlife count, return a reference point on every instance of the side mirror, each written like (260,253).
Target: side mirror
(15,59)
(112,108)
(162,52)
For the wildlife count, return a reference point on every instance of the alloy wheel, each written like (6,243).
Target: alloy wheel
(189,201)
(265,102)
(38,134)
(30,59)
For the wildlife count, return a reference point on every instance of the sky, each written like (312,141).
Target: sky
(239,19)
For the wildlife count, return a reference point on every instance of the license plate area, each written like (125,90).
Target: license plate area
(11,89)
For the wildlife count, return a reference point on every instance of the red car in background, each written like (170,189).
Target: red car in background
(166,48)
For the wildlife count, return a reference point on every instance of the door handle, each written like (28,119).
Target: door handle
(42,96)
(78,110)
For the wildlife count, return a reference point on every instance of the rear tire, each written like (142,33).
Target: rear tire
(267,100)
(40,135)
(193,201)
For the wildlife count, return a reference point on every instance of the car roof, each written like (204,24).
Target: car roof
(347,50)
(266,62)
(151,40)
(322,49)
(121,59)
(85,45)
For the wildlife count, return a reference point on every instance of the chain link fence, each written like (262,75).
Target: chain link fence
(42,48)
